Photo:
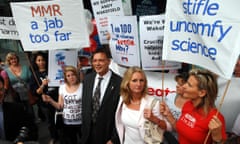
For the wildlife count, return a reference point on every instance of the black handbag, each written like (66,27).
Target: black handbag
(59,119)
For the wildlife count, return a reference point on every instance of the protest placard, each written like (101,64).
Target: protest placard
(204,33)
(50,25)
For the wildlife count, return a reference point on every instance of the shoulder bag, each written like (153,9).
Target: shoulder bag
(153,133)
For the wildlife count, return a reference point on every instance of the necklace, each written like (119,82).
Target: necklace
(136,103)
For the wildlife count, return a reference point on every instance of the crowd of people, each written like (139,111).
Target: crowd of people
(101,107)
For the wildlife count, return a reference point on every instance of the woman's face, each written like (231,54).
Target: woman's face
(137,83)
(13,60)
(179,86)
(190,88)
(71,78)
(40,61)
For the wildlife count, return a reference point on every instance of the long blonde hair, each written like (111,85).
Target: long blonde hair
(124,88)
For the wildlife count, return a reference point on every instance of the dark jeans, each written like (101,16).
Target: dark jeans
(70,134)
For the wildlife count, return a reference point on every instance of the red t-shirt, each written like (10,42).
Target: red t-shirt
(192,127)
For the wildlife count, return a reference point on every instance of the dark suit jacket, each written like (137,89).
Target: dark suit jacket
(105,124)
(15,117)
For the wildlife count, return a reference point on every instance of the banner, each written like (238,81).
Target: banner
(151,42)
(124,40)
(204,33)
(8,28)
(57,60)
(49,25)
(102,9)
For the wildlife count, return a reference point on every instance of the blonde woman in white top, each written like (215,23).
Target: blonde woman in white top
(70,101)
(131,112)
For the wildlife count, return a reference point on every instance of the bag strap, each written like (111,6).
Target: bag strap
(154,101)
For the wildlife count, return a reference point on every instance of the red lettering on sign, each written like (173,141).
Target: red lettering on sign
(51,10)
(159,92)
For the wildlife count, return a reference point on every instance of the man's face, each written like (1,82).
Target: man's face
(100,63)
(2,91)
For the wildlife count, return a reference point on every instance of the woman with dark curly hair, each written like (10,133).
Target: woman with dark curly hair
(39,86)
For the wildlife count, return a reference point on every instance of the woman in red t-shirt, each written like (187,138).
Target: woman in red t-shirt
(199,114)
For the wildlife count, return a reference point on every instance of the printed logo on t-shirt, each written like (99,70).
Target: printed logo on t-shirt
(72,108)
(188,120)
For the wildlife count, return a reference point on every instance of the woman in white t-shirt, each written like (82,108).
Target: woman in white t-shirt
(70,101)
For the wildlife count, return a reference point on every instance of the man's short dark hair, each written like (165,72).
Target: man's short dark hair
(104,50)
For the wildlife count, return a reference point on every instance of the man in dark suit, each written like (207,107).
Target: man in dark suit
(13,118)
(100,130)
